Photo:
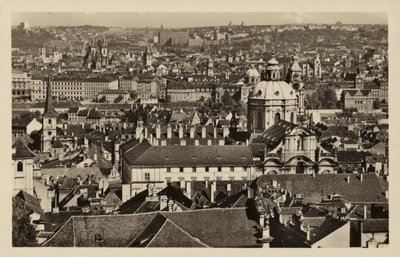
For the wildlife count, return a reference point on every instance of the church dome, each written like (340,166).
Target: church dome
(273,90)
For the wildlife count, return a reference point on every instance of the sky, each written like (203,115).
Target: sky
(191,19)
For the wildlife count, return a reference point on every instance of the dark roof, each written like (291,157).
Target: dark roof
(21,151)
(328,226)
(189,155)
(340,131)
(273,135)
(31,202)
(208,227)
(322,185)
(352,156)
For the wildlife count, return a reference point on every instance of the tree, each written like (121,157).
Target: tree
(323,98)
(23,233)
(227,100)
(102,99)
(118,99)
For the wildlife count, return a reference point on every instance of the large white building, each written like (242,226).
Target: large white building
(144,164)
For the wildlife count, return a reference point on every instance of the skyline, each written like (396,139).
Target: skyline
(192,19)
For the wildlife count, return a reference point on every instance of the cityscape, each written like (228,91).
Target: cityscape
(234,135)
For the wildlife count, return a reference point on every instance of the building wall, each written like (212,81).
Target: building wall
(21,84)
(140,177)
(23,180)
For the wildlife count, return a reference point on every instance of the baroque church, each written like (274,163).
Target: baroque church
(274,105)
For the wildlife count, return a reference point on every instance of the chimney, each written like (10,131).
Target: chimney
(182,184)
(229,188)
(188,189)
(361,177)
(183,141)
(348,179)
(308,233)
(170,204)
(203,132)
(146,133)
(262,220)
(387,194)
(225,132)
(365,212)
(192,130)
(313,174)
(206,183)
(158,131)
(213,190)
(250,193)
(163,202)
(180,131)
(169,131)
(215,132)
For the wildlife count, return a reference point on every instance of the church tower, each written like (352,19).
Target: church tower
(49,120)
(294,79)
(317,67)
(147,58)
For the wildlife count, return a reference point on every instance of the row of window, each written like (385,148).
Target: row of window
(207,169)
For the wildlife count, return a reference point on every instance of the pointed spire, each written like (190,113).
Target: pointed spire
(49,108)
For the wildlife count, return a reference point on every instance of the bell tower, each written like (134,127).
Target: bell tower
(49,120)
(294,79)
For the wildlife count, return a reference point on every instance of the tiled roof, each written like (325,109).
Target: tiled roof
(322,185)
(189,155)
(273,135)
(208,227)
(31,202)
(352,156)
(21,150)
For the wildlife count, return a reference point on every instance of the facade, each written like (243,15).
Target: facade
(39,87)
(361,99)
(21,84)
(82,89)
(22,166)
(112,94)
(271,101)
(144,164)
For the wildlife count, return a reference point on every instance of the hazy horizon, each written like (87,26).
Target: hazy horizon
(192,19)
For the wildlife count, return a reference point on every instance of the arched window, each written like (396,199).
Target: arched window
(277,118)
(20,166)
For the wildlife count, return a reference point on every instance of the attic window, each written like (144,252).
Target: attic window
(276,92)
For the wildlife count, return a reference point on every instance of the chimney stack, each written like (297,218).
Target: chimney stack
(163,202)
(365,212)
(188,189)
(308,233)
(158,131)
(262,220)
(170,204)
(213,190)
(387,194)
(348,179)
(180,130)
(225,132)
(229,188)
(215,132)
(361,177)
(203,132)
(192,130)
(169,132)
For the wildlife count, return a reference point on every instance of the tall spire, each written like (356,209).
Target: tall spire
(49,108)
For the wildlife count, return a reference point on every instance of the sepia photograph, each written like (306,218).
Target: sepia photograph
(199,129)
